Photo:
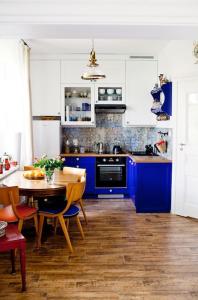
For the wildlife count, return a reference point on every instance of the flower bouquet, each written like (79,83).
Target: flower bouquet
(49,165)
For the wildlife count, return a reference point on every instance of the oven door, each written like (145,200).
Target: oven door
(111,175)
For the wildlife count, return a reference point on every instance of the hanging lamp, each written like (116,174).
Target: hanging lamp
(92,72)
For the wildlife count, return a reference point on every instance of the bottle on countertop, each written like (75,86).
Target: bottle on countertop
(1,167)
(67,147)
(7,164)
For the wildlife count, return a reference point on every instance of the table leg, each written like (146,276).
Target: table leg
(23,267)
(12,252)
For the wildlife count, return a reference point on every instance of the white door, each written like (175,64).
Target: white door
(186,180)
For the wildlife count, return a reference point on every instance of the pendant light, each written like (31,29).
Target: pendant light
(92,72)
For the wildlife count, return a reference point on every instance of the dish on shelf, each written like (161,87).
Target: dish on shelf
(110,91)
(118,91)
(101,91)
(34,174)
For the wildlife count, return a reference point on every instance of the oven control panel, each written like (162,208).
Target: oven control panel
(110,160)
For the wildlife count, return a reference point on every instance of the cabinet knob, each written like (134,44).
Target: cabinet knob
(77,158)
(77,166)
(128,122)
(110,191)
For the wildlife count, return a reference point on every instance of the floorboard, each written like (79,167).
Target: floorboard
(125,256)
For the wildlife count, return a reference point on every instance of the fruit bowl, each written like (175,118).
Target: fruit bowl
(34,174)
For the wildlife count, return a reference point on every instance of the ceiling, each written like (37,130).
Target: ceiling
(102,46)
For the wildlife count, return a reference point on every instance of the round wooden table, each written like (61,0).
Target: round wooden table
(39,188)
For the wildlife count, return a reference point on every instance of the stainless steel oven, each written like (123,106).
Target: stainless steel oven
(111,172)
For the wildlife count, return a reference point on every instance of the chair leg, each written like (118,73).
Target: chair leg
(41,221)
(64,228)
(55,225)
(83,211)
(36,223)
(80,227)
(67,223)
(13,260)
(20,225)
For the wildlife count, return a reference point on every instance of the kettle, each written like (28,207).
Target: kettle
(117,149)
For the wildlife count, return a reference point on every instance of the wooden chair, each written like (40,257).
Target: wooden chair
(29,168)
(13,211)
(74,192)
(12,241)
(81,177)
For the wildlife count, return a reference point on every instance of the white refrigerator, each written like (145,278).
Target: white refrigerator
(46,138)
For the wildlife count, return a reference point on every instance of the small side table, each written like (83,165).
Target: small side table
(11,241)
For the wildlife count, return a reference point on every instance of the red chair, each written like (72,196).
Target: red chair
(11,241)
(13,211)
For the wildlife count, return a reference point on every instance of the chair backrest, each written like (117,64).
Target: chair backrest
(29,168)
(75,192)
(75,171)
(9,198)
(5,195)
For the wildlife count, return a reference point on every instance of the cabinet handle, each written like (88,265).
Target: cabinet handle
(128,122)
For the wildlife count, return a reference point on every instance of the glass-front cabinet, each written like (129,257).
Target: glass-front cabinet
(78,105)
(109,94)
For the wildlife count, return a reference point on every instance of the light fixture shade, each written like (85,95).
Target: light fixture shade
(92,72)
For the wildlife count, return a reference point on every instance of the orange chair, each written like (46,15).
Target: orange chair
(81,173)
(13,211)
(74,192)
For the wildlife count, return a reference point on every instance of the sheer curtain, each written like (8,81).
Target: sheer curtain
(15,101)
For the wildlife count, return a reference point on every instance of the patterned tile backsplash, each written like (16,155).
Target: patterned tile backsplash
(110,131)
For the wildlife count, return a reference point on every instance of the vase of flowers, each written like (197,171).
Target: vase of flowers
(49,165)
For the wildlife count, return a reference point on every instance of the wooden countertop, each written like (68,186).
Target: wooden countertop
(137,159)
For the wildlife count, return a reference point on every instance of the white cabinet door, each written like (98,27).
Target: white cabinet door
(77,105)
(114,71)
(72,70)
(140,79)
(46,138)
(45,87)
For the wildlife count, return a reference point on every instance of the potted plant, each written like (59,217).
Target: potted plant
(49,165)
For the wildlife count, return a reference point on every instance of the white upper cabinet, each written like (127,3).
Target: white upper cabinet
(114,71)
(45,87)
(141,77)
(72,70)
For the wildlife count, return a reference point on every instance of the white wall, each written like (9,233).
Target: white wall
(177,60)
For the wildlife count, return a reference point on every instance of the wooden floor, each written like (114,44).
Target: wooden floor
(124,256)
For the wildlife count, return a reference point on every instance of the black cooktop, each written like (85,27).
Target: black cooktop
(143,153)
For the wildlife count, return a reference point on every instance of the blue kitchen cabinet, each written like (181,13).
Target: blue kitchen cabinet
(87,163)
(131,178)
(153,187)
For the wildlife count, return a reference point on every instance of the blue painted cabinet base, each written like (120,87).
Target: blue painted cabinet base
(153,187)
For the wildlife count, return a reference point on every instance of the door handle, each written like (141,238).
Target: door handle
(181,146)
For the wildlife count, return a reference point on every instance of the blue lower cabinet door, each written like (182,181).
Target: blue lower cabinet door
(69,162)
(153,187)
(88,163)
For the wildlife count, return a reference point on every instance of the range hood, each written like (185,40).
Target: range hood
(110,108)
